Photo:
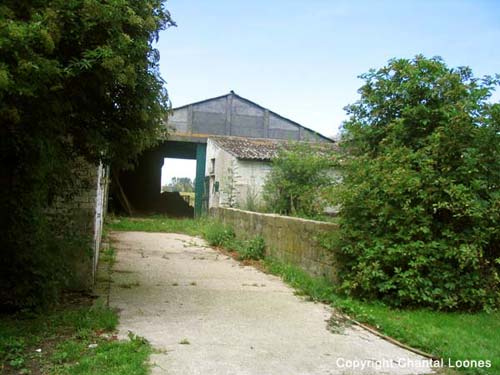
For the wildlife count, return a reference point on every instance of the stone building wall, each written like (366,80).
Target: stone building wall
(291,240)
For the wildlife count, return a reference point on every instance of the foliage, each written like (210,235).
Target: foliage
(298,177)
(181,184)
(79,83)
(420,216)
(453,335)
(253,248)
(318,289)
(252,201)
(108,358)
(218,234)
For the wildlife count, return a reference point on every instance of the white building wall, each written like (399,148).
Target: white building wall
(220,167)
(239,181)
(252,176)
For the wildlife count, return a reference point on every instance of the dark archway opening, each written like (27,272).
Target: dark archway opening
(140,189)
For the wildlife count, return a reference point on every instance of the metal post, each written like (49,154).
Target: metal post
(201,152)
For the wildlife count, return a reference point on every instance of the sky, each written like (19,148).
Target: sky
(302,59)
(177,168)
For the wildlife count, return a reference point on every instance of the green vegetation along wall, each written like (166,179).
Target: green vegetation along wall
(300,242)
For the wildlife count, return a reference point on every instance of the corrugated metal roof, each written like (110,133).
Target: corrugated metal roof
(259,148)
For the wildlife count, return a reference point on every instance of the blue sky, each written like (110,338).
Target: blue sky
(301,59)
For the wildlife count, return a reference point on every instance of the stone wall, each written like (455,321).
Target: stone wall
(291,240)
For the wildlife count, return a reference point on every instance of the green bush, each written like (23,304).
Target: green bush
(251,249)
(218,234)
(299,175)
(420,216)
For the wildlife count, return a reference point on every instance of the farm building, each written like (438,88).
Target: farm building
(236,169)
(237,129)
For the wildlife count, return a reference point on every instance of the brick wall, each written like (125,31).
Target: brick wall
(291,240)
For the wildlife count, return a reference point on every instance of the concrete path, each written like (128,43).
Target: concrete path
(207,315)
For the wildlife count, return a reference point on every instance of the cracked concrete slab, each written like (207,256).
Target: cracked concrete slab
(207,314)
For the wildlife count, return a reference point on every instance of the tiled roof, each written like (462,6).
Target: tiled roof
(258,148)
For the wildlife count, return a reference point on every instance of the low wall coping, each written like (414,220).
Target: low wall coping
(292,218)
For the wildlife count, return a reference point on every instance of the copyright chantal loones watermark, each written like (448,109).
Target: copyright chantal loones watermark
(362,364)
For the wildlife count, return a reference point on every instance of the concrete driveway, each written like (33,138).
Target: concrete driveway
(207,314)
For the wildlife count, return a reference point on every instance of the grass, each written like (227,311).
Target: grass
(75,338)
(129,285)
(457,336)
(220,235)
(215,233)
(158,223)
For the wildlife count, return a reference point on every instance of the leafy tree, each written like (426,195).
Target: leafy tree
(79,80)
(420,217)
(298,178)
(181,184)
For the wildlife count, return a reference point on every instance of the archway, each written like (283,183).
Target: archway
(141,186)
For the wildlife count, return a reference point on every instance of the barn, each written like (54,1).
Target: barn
(194,127)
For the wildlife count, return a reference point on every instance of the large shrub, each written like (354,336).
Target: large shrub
(299,175)
(420,217)
(79,80)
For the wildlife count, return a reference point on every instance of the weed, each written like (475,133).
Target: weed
(251,249)
(184,342)
(129,285)
(218,234)
(108,255)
